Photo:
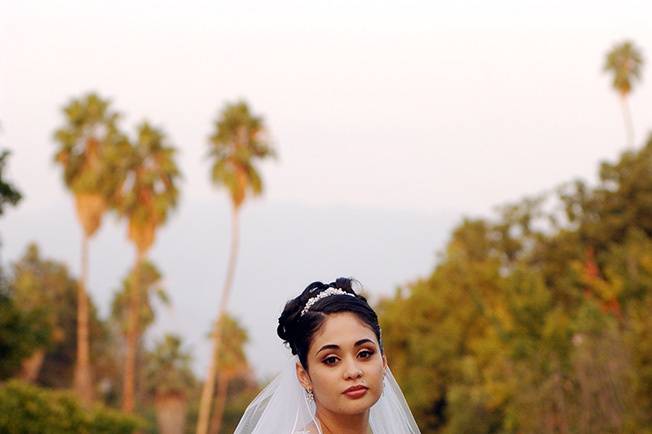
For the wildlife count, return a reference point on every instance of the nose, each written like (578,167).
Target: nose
(353,370)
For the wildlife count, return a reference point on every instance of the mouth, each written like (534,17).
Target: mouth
(355,392)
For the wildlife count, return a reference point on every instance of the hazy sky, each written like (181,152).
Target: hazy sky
(391,121)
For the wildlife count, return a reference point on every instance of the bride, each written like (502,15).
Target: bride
(338,381)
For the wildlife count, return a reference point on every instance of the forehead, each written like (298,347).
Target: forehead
(343,329)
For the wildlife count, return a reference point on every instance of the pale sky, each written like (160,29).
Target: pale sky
(392,120)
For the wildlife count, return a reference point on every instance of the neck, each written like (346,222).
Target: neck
(332,423)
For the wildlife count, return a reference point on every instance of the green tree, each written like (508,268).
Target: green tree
(624,62)
(170,381)
(43,290)
(89,149)
(150,287)
(148,196)
(21,333)
(239,140)
(28,409)
(432,335)
(515,331)
(9,194)
(40,287)
(232,363)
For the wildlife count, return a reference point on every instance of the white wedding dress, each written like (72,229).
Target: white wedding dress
(283,408)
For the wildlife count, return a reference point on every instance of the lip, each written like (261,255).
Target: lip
(356,392)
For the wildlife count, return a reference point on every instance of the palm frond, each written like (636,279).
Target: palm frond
(237,143)
(625,62)
(150,188)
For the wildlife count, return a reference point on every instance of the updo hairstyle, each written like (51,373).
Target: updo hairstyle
(297,331)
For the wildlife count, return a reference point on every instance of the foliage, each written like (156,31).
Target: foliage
(43,289)
(536,321)
(233,376)
(150,284)
(624,62)
(232,360)
(238,140)
(90,150)
(148,193)
(168,368)
(9,194)
(20,334)
(27,409)
(90,153)
(241,393)
(148,186)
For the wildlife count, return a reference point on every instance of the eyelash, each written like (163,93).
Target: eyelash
(332,360)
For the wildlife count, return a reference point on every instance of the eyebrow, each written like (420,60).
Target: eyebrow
(337,347)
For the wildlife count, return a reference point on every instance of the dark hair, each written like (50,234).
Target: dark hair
(297,330)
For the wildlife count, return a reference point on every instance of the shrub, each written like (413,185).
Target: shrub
(26,409)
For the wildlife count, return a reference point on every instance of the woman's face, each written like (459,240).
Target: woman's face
(345,366)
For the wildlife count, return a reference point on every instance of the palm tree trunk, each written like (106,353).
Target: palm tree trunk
(83,378)
(31,366)
(629,124)
(209,384)
(133,335)
(171,410)
(220,401)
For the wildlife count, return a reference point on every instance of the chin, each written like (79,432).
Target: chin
(358,406)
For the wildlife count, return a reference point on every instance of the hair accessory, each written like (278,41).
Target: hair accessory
(325,293)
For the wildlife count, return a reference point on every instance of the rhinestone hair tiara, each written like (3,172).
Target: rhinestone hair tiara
(325,293)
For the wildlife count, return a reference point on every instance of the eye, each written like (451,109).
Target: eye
(330,360)
(365,354)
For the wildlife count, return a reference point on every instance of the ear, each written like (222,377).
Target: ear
(384,362)
(303,377)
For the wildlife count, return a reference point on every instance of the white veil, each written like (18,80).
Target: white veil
(283,408)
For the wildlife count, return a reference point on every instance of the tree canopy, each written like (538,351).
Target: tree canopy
(9,194)
(534,320)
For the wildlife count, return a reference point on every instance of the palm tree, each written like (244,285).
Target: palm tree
(88,152)
(624,62)
(170,379)
(238,141)
(150,287)
(149,194)
(9,195)
(232,363)
(150,284)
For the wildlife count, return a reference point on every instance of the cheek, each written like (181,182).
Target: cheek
(324,380)
(377,375)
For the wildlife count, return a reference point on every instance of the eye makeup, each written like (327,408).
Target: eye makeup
(364,354)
